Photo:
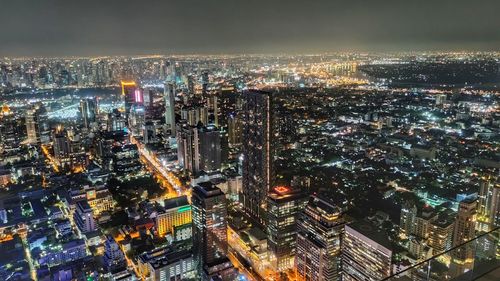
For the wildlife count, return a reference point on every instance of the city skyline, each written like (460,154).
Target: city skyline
(326,140)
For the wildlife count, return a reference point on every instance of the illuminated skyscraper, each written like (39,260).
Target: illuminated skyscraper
(37,125)
(210,232)
(131,95)
(489,203)
(258,152)
(210,150)
(169,96)
(88,111)
(284,205)
(408,217)
(319,229)
(188,148)
(366,253)
(465,230)
(84,218)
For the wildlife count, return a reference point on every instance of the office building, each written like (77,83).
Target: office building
(258,152)
(188,148)
(488,215)
(319,231)
(210,231)
(130,95)
(366,253)
(284,205)
(169,96)
(88,111)
(465,230)
(210,148)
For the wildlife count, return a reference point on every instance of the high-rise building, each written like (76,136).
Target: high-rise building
(136,119)
(88,111)
(319,231)
(441,232)
(210,231)
(258,152)
(210,150)
(37,125)
(130,95)
(488,203)
(149,132)
(194,115)
(188,148)
(407,219)
(204,83)
(423,221)
(176,212)
(114,259)
(116,121)
(125,160)
(366,253)
(284,205)
(465,230)
(169,96)
(84,218)
(61,144)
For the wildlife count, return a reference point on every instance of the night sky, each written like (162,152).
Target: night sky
(133,27)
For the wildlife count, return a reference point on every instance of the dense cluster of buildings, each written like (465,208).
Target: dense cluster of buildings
(230,167)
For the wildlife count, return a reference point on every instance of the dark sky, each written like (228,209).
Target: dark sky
(112,27)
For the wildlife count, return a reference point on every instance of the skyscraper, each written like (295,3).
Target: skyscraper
(408,217)
(188,147)
(130,95)
(169,96)
(366,253)
(489,203)
(258,152)
(88,111)
(284,205)
(210,148)
(37,125)
(319,230)
(465,230)
(210,231)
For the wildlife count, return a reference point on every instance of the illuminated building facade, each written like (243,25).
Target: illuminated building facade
(84,217)
(131,95)
(169,96)
(284,205)
(407,219)
(319,228)
(441,233)
(176,212)
(210,150)
(210,231)
(88,111)
(366,253)
(258,152)
(489,203)
(465,230)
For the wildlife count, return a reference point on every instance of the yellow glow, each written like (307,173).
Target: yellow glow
(126,83)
